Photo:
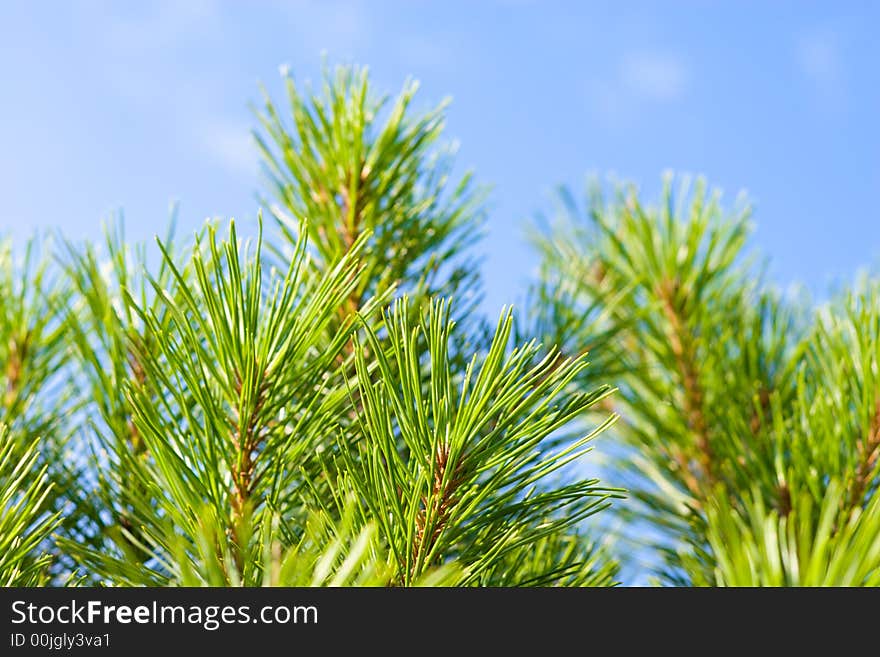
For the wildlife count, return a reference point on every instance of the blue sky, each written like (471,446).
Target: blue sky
(130,105)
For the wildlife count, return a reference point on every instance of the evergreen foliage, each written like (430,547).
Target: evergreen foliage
(301,408)
(323,404)
(354,166)
(749,426)
(24,522)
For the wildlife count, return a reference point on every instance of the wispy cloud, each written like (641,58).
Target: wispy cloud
(159,25)
(817,54)
(656,76)
(231,146)
(138,40)
(638,77)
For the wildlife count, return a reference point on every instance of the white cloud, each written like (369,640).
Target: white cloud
(656,76)
(637,77)
(162,25)
(139,42)
(231,146)
(818,56)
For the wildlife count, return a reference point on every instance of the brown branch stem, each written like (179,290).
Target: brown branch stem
(869,452)
(684,351)
(436,507)
(18,350)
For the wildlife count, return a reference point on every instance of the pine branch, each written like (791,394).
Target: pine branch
(35,404)
(751,436)
(105,338)
(684,352)
(26,520)
(354,166)
(457,471)
(237,401)
(868,450)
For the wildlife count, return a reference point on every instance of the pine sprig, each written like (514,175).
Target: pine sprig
(26,518)
(352,165)
(457,471)
(751,437)
(103,334)
(35,403)
(236,397)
